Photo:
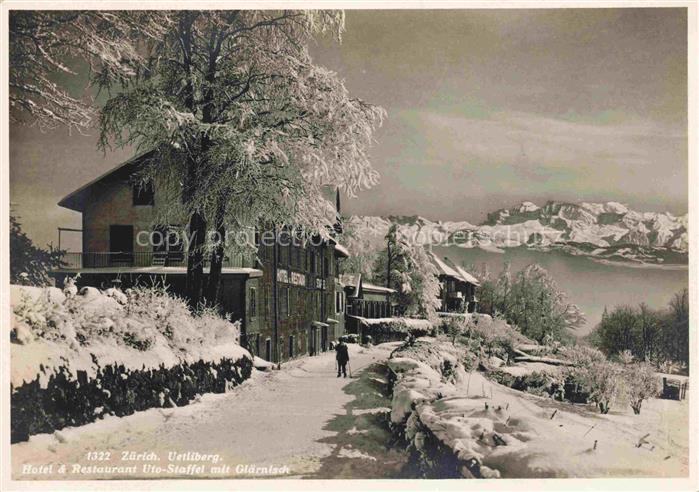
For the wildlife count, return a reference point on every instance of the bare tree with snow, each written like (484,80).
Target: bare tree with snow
(239,114)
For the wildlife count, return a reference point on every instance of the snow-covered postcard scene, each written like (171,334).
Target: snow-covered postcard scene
(416,243)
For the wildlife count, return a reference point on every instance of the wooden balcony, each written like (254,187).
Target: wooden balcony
(140,259)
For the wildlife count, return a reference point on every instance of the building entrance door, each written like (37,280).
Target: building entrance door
(121,244)
(268,350)
(324,338)
(312,338)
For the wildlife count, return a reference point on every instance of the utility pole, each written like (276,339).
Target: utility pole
(388,256)
(275,296)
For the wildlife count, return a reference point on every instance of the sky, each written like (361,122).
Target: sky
(486,108)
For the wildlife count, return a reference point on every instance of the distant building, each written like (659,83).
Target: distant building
(365,299)
(290,300)
(457,287)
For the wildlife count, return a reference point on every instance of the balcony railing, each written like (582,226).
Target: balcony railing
(139,259)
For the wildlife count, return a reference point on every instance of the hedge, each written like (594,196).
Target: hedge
(114,390)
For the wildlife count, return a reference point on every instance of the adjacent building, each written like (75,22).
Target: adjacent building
(457,286)
(365,299)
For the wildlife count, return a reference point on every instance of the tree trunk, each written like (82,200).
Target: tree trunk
(195,259)
(637,407)
(388,264)
(213,287)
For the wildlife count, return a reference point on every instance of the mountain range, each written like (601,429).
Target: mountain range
(608,232)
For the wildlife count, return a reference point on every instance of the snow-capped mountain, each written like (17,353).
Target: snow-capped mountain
(608,231)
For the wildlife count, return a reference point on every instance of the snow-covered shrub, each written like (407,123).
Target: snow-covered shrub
(603,381)
(640,383)
(453,327)
(625,357)
(89,341)
(148,320)
(537,383)
(496,336)
(582,355)
(394,329)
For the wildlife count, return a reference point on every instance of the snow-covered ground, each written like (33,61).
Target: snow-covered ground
(301,421)
(513,434)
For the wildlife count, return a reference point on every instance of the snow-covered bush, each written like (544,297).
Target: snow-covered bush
(496,336)
(537,383)
(582,355)
(113,350)
(603,381)
(640,383)
(453,327)
(394,329)
(110,326)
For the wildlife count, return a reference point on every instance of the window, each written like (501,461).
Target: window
(284,248)
(337,302)
(291,346)
(143,193)
(268,349)
(283,302)
(253,302)
(313,261)
(297,256)
(326,266)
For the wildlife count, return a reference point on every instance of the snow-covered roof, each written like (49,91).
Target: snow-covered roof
(73,200)
(355,282)
(467,276)
(347,279)
(377,288)
(443,268)
(448,268)
(341,250)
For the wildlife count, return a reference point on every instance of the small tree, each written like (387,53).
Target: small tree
(640,384)
(603,381)
(626,357)
(29,264)
(406,267)
(357,238)
(532,300)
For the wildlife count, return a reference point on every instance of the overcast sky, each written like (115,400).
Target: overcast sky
(486,108)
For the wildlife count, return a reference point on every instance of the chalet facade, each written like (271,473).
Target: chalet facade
(289,299)
(365,299)
(457,286)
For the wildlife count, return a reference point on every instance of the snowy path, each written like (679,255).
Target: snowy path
(301,417)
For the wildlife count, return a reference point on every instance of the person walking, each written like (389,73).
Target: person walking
(342,357)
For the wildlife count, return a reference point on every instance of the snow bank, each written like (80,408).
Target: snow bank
(463,425)
(399,323)
(139,329)
(392,329)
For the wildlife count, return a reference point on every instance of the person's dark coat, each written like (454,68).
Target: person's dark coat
(342,354)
